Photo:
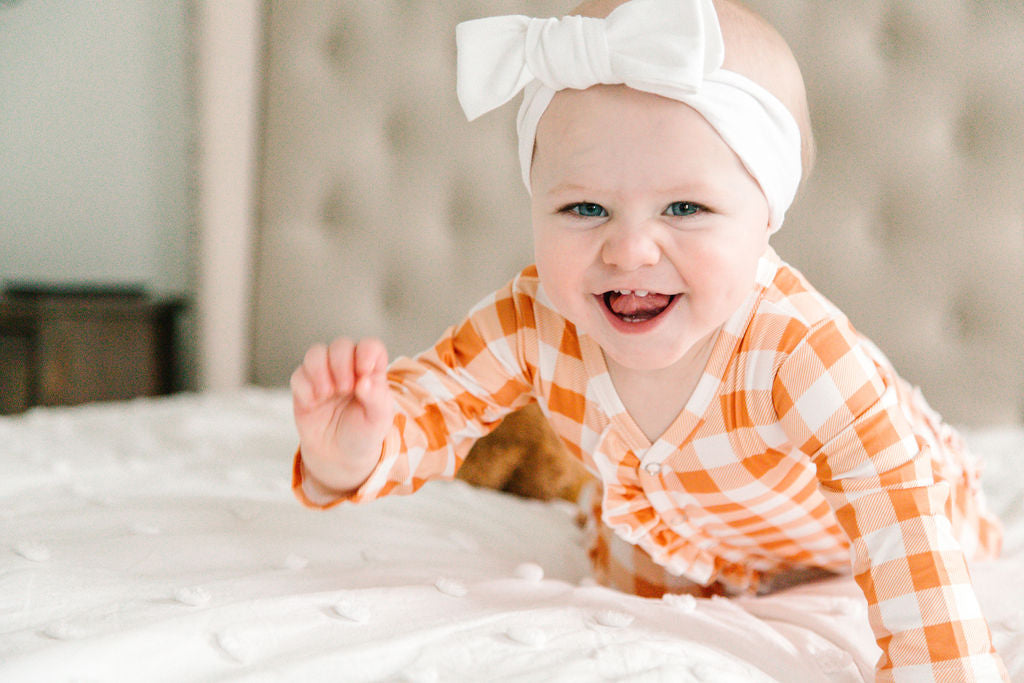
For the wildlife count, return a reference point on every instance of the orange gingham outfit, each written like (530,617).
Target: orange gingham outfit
(800,447)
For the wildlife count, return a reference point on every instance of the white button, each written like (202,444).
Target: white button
(653,468)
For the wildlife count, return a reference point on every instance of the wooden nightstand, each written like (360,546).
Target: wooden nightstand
(63,346)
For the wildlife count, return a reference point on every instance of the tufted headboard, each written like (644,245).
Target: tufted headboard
(383,212)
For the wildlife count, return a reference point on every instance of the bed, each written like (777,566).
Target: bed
(158,540)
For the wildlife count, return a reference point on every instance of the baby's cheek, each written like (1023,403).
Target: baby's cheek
(559,286)
(552,261)
(554,282)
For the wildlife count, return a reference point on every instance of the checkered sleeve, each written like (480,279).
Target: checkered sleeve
(445,399)
(840,409)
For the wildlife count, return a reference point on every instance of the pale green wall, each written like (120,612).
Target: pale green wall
(95,142)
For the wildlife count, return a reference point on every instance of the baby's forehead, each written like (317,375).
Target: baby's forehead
(595,120)
(603,100)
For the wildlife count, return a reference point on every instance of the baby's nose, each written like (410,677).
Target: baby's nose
(630,247)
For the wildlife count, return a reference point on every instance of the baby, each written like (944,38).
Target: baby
(740,429)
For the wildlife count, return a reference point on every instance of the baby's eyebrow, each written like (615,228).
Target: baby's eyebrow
(698,187)
(685,190)
(573,188)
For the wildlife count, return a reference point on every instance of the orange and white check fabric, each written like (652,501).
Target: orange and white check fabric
(800,447)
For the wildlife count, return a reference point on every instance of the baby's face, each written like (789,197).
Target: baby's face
(647,227)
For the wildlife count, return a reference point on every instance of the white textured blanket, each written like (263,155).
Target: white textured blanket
(157,540)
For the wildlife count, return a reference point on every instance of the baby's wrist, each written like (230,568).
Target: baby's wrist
(340,473)
(319,491)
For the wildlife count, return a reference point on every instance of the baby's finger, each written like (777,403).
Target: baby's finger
(372,386)
(371,357)
(314,365)
(373,395)
(340,359)
(303,393)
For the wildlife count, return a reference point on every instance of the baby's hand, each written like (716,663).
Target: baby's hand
(343,410)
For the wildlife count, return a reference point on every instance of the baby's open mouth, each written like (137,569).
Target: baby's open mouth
(636,305)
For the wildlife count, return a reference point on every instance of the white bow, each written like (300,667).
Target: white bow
(645,44)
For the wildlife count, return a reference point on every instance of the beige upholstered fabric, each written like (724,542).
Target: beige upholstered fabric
(383,212)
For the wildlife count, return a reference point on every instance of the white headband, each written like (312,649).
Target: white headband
(672,48)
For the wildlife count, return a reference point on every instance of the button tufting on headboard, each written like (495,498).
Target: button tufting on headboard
(384,212)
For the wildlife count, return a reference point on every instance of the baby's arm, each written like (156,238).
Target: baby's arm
(835,403)
(343,411)
(368,429)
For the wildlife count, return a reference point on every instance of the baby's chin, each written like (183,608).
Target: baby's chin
(639,362)
(642,354)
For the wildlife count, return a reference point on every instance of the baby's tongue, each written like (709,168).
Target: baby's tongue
(631,305)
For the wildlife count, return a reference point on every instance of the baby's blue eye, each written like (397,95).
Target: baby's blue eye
(682,209)
(588,210)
